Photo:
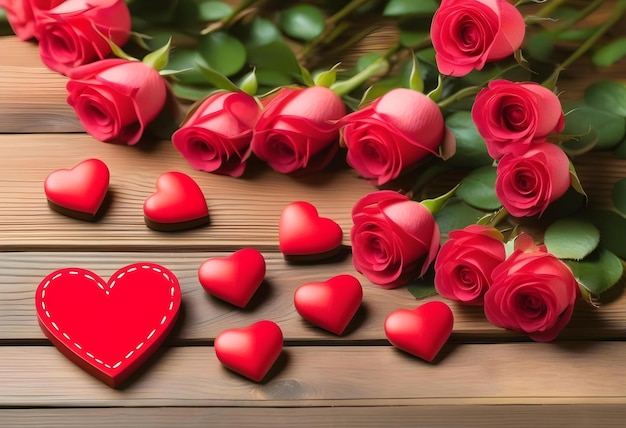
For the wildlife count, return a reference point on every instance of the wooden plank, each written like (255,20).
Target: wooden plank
(512,416)
(313,376)
(244,212)
(205,316)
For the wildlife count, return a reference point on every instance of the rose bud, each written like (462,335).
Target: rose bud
(392,134)
(532,292)
(466,34)
(513,115)
(24,14)
(75,30)
(528,183)
(394,239)
(116,99)
(216,136)
(465,262)
(297,130)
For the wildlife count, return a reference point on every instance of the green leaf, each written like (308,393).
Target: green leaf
(619,196)
(471,150)
(422,289)
(478,189)
(275,56)
(249,83)
(217,79)
(410,38)
(588,124)
(607,96)
(377,90)
(327,78)
(191,92)
(307,79)
(612,228)
(598,272)
(436,93)
(610,53)
(415,79)
(184,59)
(302,22)
(571,238)
(260,32)
(159,58)
(408,7)
(223,53)
(540,46)
(213,10)
(456,214)
(155,11)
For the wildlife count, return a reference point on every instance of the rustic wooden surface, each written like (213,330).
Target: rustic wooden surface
(484,376)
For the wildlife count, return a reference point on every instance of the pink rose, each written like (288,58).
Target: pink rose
(528,183)
(24,14)
(516,112)
(468,33)
(392,134)
(70,37)
(216,137)
(532,292)
(298,129)
(116,99)
(393,238)
(465,262)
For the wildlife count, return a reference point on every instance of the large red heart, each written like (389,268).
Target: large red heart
(177,204)
(302,233)
(108,328)
(250,351)
(330,304)
(421,331)
(78,192)
(235,278)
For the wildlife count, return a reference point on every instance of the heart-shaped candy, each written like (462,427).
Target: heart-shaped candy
(421,331)
(304,235)
(177,204)
(330,304)
(235,278)
(78,192)
(250,351)
(108,328)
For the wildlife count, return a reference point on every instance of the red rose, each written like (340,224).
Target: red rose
(391,134)
(116,99)
(468,33)
(465,262)
(521,113)
(298,129)
(24,14)
(532,292)
(71,32)
(393,238)
(528,183)
(216,137)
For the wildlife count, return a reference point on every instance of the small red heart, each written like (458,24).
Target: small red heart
(250,351)
(108,328)
(303,233)
(421,331)
(78,192)
(235,278)
(177,204)
(330,304)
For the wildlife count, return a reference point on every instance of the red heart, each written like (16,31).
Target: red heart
(234,278)
(108,328)
(331,304)
(302,232)
(177,204)
(78,192)
(250,351)
(421,331)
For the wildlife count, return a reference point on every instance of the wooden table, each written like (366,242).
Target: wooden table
(484,376)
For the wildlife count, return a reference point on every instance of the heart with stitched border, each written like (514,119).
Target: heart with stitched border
(108,328)
(421,331)
(304,235)
(79,191)
(329,304)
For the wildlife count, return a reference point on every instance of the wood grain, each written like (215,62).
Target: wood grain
(309,376)
(444,416)
(203,317)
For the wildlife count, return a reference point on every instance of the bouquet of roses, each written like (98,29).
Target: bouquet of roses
(461,88)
